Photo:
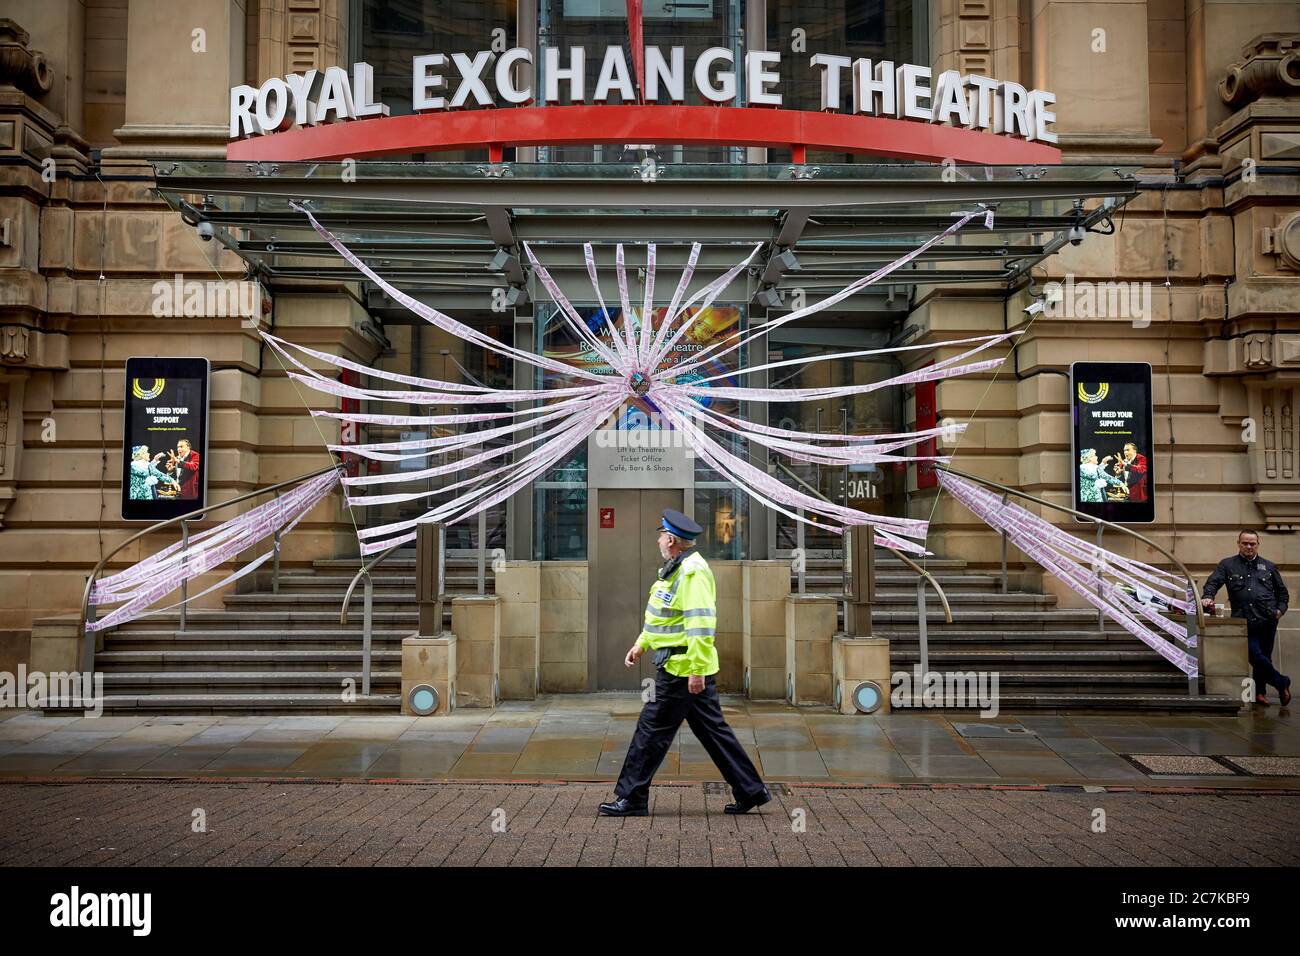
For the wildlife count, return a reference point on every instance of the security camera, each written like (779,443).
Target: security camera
(205,231)
(1076,234)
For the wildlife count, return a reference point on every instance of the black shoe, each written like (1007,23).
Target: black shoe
(744,806)
(621,808)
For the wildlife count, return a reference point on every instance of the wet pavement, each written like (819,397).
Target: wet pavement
(213,823)
(584,739)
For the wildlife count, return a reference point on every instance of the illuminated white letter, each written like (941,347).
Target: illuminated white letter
(335,97)
(470,79)
(757,79)
(1014,111)
(363,92)
(725,91)
(614,75)
(573,74)
(424,83)
(950,99)
(830,66)
(1039,101)
(672,76)
(982,95)
(911,92)
(869,84)
(505,87)
(242,123)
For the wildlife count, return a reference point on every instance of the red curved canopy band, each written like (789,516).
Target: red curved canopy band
(633,123)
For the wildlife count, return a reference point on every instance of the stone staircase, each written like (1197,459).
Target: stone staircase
(270,653)
(288,653)
(1047,658)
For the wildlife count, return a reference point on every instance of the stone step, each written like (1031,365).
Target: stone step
(247,681)
(1117,704)
(1001,637)
(117,640)
(1122,682)
(255,703)
(385,597)
(1110,658)
(261,619)
(243,659)
(904,581)
(892,581)
(1019,619)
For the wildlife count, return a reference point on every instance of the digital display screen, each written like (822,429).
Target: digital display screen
(164,438)
(1113,455)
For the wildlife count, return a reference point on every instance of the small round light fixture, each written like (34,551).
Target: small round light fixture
(423,699)
(867,697)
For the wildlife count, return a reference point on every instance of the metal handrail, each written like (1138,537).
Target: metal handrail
(190,516)
(926,575)
(1195,599)
(364,570)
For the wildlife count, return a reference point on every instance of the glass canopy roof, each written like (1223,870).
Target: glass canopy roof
(442,226)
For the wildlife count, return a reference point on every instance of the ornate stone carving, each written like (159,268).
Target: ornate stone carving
(26,69)
(15,344)
(1277,493)
(1284,241)
(1270,66)
(1256,351)
(11,446)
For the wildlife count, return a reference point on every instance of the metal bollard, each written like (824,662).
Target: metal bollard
(275,561)
(1101,613)
(185,584)
(922,632)
(482,552)
(802,552)
(366,627)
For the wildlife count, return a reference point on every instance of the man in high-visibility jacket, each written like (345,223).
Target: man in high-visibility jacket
(680,619)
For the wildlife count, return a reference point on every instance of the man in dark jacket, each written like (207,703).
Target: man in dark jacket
(1257,593)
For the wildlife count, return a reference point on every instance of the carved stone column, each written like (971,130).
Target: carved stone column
(298,35)
(11,436)
(1259,146)
(193,49)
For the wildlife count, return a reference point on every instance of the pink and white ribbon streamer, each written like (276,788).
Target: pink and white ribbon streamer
(1083,567)
(150,580)
(554,420)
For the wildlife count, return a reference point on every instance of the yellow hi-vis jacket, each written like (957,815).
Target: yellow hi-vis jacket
(683,610)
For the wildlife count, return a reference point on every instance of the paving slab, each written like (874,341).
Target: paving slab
(563,737)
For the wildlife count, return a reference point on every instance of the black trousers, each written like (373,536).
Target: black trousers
(1260,636)
(660,717)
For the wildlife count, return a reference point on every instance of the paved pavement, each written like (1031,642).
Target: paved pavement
(519,786)
(153,823)
(584,738)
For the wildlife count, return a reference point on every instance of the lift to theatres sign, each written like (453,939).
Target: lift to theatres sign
(861,102)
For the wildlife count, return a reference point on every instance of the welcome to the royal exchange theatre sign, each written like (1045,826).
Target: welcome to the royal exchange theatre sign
(881,109)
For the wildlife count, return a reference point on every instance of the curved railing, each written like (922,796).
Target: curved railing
(87,609)
(925,575)
(364,571)
(1100,522)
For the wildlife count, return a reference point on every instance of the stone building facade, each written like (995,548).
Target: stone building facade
(1204,95)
